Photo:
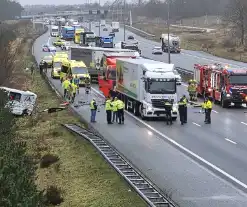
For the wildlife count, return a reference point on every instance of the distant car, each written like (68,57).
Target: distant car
(130,37)
(112,34)
(65,46)
(105,29)
(157,50)
(48,48)
(58,42)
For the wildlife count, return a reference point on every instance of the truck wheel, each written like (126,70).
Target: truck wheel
(135,109)
(224,104)
(141,112)
(174,118)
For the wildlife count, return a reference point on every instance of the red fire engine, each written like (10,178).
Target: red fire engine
(108,80)
(226,85)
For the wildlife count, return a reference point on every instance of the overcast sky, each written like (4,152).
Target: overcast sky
(57,2)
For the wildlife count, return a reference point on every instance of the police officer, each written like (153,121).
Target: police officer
(41,66)
(114,110)
(76,81)
(120,111)
(93,107)
(168,108)
(208,109)
(185,101)
(45,66)
(181,109)
(108,108)
(66,85)
(74,89)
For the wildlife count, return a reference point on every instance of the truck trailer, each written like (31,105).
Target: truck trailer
(93,58)
(115,26)
(173,42)
(144,85)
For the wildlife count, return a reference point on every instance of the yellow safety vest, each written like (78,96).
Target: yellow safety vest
(185,101)
(114,106)
(108,105)
(74,87)
(66,84)
(204,105)
(208,105)
(92,105)
(120,104)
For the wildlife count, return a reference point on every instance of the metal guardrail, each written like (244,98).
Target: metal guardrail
(144,188)
(148,34)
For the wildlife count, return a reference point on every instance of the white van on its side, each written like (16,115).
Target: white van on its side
(20,102)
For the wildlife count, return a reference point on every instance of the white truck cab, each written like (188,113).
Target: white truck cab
(145,85)
(19,102)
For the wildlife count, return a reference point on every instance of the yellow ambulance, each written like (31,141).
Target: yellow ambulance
(73,68)
(78,32)
(56,66)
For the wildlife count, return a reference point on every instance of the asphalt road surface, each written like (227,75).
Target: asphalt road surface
(148,146)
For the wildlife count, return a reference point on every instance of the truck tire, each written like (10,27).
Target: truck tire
(141,113)
(135,108)
(224,104)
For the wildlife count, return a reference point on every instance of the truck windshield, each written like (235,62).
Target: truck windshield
(70,31)
(90,39)
(54,30)
(162,87)
(79,70)
(57,65)
(111,74)
(13,96)
(238,79)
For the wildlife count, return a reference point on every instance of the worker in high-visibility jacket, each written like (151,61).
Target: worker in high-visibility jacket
(181,109)
(65,85)
(108,109)
(208,109)
(114,110)
(192,90)
(73,91)
(120,111)
(185,101)
(93,107)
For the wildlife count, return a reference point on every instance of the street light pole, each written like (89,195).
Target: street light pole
(168,31)
(99,19)
(124,17)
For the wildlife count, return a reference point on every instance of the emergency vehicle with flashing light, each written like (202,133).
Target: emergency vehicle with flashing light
(224,84)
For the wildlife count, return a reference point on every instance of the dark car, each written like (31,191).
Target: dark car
(130,37)
(112,34)
(105,29)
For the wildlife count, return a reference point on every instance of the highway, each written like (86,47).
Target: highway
(150,147)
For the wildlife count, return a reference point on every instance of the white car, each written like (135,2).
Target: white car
(157,51)
(178,77)
(66,46)
(19,102)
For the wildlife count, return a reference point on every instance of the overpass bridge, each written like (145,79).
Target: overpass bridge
(94,12)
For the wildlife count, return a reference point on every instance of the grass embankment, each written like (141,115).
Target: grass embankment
(81,175)
(217,42)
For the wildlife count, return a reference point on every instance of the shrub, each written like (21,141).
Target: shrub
(53,196)
(48,160)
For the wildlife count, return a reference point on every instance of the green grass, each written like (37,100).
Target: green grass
(84,177)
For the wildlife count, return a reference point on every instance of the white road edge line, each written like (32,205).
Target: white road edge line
(196,124)
(230,141)
(215,111)
(243,123)
(243,185)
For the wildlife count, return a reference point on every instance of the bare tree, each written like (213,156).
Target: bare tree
(237,16)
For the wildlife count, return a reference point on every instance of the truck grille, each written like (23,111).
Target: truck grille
(158,103)
(82,78)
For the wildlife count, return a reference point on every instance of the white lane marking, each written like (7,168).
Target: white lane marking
(196,124)
(215,111)
(243,123)
(230,141)
(222,172)
(48,41)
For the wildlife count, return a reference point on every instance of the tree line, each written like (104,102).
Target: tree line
(181,8)
(9,9)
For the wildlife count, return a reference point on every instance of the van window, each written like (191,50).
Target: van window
(64,69)
(14,96)
(28,98)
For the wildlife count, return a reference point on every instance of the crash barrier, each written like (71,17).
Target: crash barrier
(141,31)
(193,28)
(144,188)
